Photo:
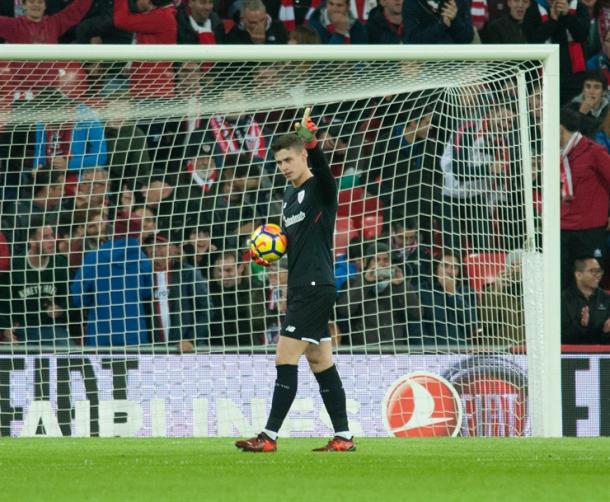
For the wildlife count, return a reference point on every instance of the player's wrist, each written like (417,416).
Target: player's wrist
(310,145)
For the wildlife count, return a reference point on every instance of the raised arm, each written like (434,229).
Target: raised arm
(306,130)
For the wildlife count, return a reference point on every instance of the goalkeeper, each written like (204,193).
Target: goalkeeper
(310,210)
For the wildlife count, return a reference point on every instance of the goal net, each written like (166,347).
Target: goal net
(132,180)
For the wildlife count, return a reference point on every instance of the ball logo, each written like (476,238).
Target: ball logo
(422,404)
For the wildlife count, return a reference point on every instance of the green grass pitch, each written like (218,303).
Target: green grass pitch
(381,470)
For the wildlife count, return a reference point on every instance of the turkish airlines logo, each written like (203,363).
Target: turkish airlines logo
(422,404)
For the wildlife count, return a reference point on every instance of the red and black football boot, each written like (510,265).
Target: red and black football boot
(338,444)
(260,444)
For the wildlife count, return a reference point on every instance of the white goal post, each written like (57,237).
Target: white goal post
(304,76)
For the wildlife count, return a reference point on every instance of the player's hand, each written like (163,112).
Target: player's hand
(306,130)
(257,259)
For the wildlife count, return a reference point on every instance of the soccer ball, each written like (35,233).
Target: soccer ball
(269,242)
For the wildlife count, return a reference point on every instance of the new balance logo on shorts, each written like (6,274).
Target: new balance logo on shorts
(291,329)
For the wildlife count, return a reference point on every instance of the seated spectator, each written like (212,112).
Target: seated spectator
(113,285)
(501,306)
(199,24)
(585,308)
(34,294)
(592,103)
(409,252)
(507,29)
(303,35)
(203,164)
(385,24)
(154,24)
(238,307)
(378,303)
(256,26)
(36,28)
(601,61)
(69,146)
(565,23)
(449,305)
(432,22)
(198,249)
(335,24)
(181,311)
(91,191)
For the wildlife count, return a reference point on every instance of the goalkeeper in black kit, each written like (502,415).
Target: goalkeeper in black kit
(309,213)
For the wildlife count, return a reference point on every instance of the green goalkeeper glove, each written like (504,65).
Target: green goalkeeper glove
(306,130)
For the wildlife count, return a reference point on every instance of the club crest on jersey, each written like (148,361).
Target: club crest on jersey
(301,196)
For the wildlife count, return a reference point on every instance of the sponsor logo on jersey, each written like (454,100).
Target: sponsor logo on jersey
(422,404)
(291,220)
(301,196)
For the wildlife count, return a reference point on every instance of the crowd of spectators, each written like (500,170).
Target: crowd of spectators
(127,232)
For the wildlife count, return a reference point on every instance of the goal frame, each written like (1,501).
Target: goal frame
(544,349)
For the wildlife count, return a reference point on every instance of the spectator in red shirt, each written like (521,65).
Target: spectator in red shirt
(585,189)
(155,24)
(36,28)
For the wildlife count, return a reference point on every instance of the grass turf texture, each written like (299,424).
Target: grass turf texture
(381,469)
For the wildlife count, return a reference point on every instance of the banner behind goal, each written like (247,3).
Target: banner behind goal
(133,178)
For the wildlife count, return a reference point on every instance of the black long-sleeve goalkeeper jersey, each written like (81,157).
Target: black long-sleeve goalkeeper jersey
(308,218)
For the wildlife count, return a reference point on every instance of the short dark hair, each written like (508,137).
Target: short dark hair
(570,119)
(580,263)
(161,3)
(596,76)
(287,141)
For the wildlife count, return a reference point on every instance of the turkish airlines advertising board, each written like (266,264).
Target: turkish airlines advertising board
(230,395)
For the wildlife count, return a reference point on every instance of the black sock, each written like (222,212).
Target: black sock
(283,395)
(333,395)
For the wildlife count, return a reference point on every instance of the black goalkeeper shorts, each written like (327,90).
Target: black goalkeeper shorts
(308,312)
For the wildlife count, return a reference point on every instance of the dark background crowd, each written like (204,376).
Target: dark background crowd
(123,232)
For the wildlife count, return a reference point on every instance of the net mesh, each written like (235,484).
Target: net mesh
(129,194)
